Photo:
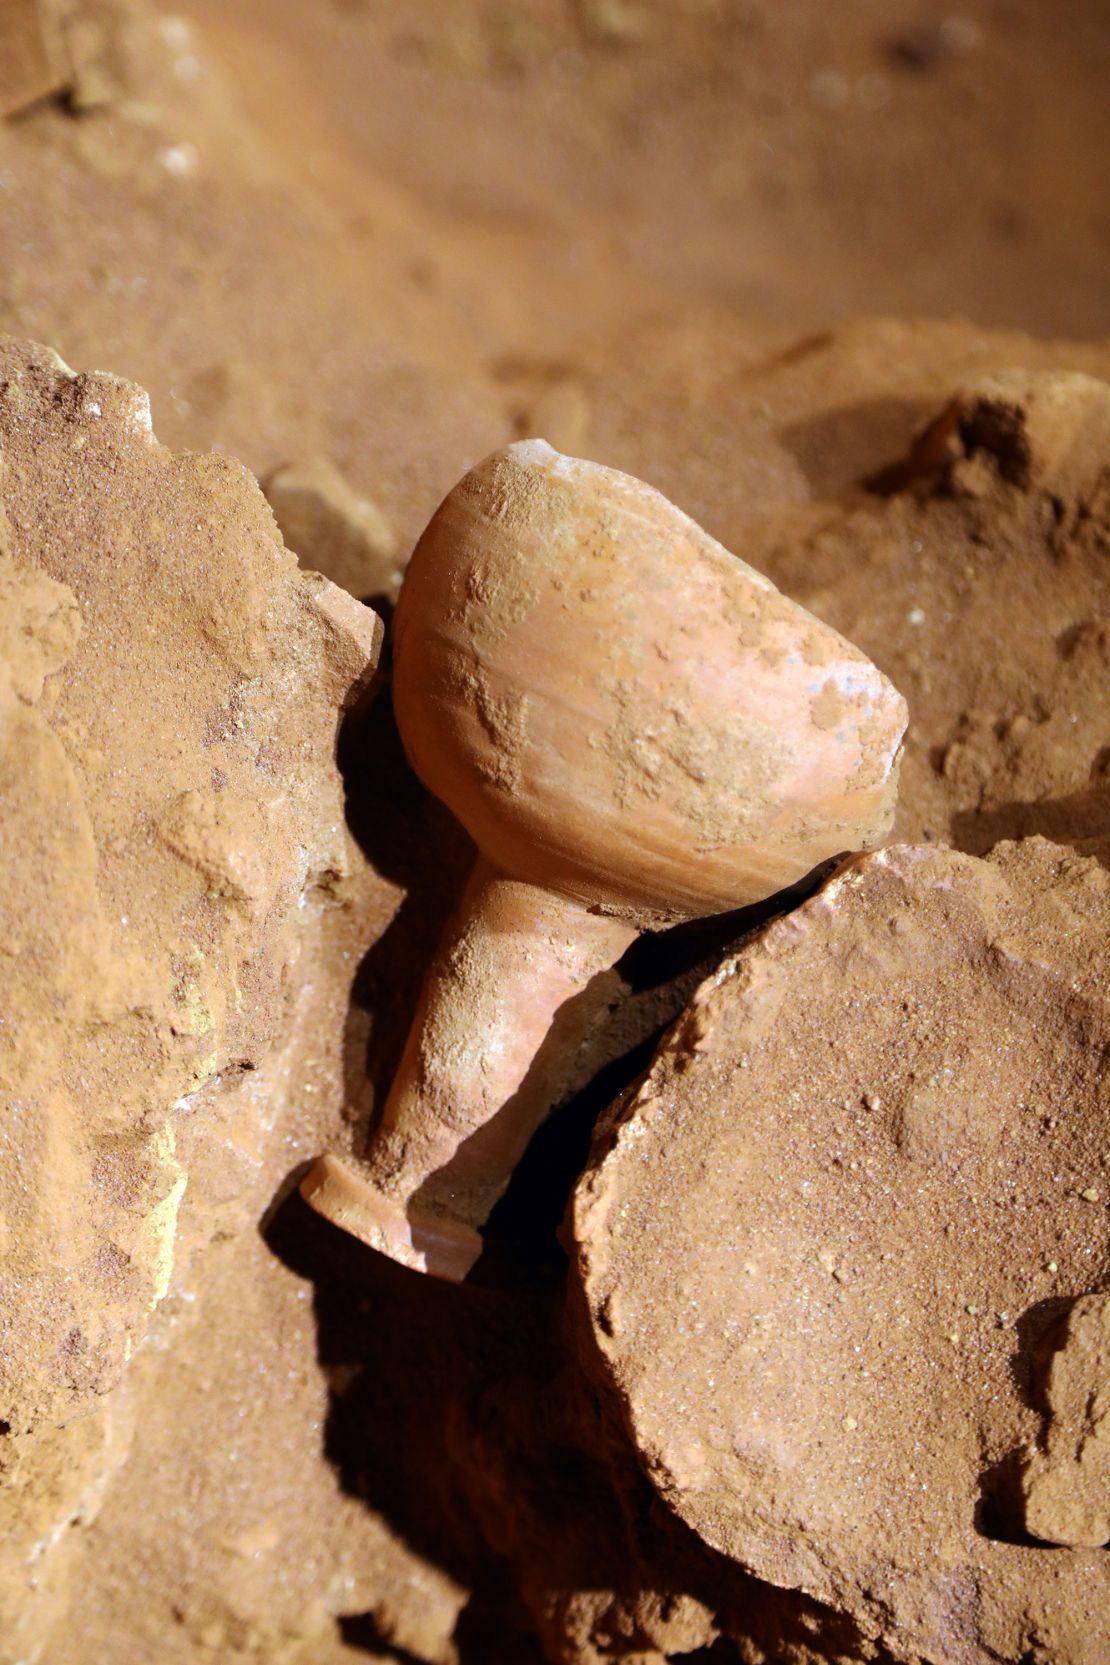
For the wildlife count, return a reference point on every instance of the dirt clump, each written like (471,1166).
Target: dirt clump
(181,905)
(334,529)
(905,1173)
(1066,1483)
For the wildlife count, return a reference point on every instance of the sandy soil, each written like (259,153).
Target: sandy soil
(747,250)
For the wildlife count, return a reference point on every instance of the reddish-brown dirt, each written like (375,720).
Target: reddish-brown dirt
(835,280)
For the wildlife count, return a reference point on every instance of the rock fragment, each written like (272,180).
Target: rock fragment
(338,531)
(1066,1483)
(820,1317)
(174,846)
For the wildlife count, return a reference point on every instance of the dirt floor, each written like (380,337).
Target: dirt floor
(794,165)
(749,251)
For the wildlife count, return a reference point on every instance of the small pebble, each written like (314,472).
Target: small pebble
(179,160)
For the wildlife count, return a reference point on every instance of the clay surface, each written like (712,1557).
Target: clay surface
(621,711)
(623,714)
